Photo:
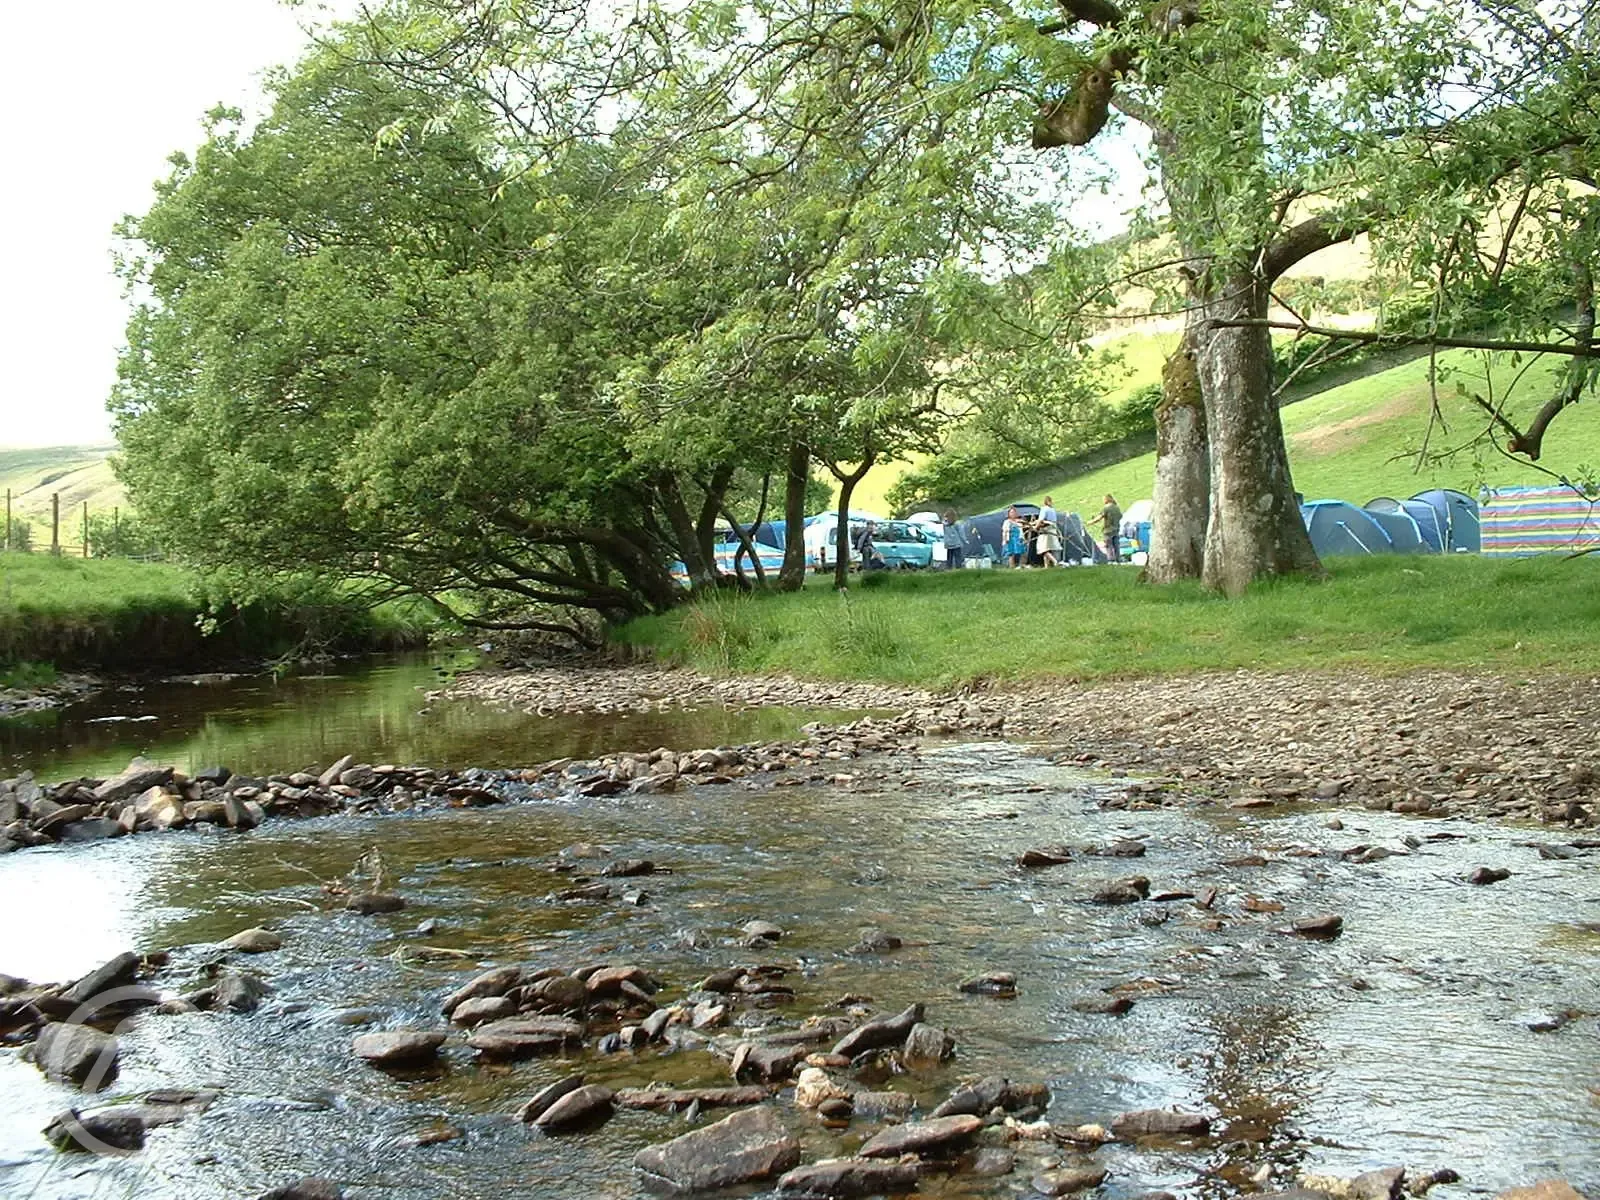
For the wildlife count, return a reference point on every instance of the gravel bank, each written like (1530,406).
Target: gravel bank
(1434,742)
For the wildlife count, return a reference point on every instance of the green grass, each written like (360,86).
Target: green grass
(1358,440)
(119,614)
(939,630)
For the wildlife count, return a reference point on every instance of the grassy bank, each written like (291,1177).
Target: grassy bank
(114,614)
(1384,614)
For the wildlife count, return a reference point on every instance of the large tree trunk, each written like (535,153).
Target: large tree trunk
(1255,529)
(792,576)
(1183,472)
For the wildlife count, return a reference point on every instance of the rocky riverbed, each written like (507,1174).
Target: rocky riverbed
(925,951)
(968,972)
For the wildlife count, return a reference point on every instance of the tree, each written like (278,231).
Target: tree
(604,343)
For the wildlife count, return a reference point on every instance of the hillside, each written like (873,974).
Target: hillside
(78,473)
(1358,440)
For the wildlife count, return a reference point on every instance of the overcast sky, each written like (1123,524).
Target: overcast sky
(82,147)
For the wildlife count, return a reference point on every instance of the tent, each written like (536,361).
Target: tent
(1430,526)
(1338,527)
(1458,514)
(1522,521)
(1405,536)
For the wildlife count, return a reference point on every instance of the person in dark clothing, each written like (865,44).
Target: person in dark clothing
(1111,528)
(867,548)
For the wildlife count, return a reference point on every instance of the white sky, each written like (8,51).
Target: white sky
(81,148)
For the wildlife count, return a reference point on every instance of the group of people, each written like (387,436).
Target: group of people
(1023,537)
(1020,537)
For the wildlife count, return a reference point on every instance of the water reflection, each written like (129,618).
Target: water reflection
(259,724)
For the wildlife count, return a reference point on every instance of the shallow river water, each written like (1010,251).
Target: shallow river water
(1405,1041)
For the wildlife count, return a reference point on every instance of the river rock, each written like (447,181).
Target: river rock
(91,829)
(707,1097)
(138,776)
(582,1106)
(872,940)
(612,981)
(546,1098)
(1545,1189)
(1484,875)
(239,813)
(1124,891)
(1322,926)
(993,1161)
(369,903)
(254,941)
(757,932)
(525,1037)
(1067,1180)
(1044,856)
(928,1044)
(1387,1183)
(396,1047)
(920,1137)
(240,992)
(1000,984)
(76,1053)
(491,983)
(1160,1122)
(749,1145)
(845,1177)
(59,818)
(1103,1004)
(310,1188)
(814,1086)
(99,1133)
(482,1009)
(118,973)
(331,776)
(880,1031)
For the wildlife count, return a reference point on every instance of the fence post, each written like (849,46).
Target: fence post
(55,524)
(86,529)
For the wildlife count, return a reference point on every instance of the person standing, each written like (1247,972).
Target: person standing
(1011,537)
(1111,528)
(955,549)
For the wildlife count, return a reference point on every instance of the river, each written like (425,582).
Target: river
(1405,1041)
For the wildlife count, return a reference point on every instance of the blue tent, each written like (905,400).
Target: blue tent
(1338,527)
(1404,534)
(1458,513)
(1430,526)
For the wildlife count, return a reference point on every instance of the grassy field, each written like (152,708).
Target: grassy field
(1352,442)
(81,474)
(1382,614)
(124,615)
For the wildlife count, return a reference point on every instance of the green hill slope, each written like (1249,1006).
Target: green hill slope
(1359,440)
(79,473)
